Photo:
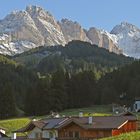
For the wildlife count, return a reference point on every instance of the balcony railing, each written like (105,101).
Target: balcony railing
(58,139)
(76,139)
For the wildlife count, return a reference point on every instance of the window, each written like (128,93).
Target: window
(74,134)
(71,134)
(38,135)
(136,106)
(77,134)
(66,134)
(50,134)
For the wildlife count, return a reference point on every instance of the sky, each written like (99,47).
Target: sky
(104,14)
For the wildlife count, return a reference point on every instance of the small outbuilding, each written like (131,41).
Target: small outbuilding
(136,106)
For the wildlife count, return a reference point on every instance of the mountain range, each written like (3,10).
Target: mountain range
(21,31)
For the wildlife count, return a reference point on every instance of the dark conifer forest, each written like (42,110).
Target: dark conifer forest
(56,78)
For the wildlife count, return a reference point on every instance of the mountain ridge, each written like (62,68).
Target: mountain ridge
(23,30)
(36,27)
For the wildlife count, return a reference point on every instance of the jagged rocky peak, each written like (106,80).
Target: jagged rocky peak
(33,9)
(36,11)
(128,36)
(95,36)
(72,30)
(103,39)
(67,21)
(20,26)
(47,25)
(35,26)
(124,27)
(16,19)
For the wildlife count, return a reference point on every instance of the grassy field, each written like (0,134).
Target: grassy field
(13,124)
(128,136)
(96,110)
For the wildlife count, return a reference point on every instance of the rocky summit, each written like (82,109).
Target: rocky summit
(33,27)
(128,38)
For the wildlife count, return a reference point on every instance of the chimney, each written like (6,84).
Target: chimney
(13,136)
(90,120)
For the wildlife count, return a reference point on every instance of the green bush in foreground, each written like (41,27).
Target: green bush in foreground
(127,136)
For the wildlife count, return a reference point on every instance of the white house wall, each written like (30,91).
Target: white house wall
(138,106)
(45,133)
(32,135)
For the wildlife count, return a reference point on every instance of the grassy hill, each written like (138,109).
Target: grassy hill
(127,136)
(13,124)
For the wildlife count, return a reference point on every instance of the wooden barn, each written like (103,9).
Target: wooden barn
(80,127)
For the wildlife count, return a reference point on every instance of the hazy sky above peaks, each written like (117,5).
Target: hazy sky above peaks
(103,14)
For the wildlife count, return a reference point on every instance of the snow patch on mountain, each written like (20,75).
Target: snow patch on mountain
(128,38)
(33,27)
(9,47)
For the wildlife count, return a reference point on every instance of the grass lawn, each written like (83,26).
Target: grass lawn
(127,136)
(97,110)
(13,124)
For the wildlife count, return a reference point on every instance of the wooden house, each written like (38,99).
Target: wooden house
(80,127)
(99,128)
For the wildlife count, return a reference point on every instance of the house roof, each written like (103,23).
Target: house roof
(53,123)
(41,124)
(127,113)
(3,135)
(108,122)
(31,126)
(99,122)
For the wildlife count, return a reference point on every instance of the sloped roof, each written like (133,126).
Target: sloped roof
(53,123)
(31,126)
(3,135)
(99,122)
(108,122)
(41,124)
(127,113)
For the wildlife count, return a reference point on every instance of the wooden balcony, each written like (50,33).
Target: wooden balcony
(76,139)
(57,139)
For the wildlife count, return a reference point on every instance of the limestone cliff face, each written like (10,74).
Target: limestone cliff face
(103,39)
(20,26)
(73,31)
(47,25)
(95,36)
(33,27)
